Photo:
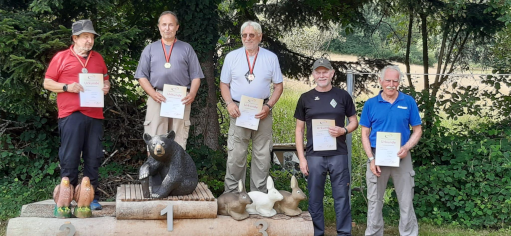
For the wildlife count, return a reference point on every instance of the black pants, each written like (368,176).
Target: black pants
(81,135)
(337,167)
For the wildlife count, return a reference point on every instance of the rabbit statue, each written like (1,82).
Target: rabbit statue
(289,205)
(234,204)
(263,202)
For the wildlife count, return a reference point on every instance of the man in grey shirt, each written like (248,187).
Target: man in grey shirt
(168,61)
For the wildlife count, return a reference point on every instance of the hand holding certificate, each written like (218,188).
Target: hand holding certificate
(249,107)
(92,95)
(387,147)
(323,141)
(173,107)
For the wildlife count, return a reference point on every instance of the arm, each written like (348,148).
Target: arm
(366,143)
(232,108)
(300,126)
(336,131)
(57,87)
(414,139)
(190,97)
(148,88)
(277,91)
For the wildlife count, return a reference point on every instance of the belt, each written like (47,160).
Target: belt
(264,101)
(161,90)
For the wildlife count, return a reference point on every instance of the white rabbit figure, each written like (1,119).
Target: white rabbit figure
(263,202)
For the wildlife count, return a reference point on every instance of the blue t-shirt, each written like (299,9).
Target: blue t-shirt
(381,116)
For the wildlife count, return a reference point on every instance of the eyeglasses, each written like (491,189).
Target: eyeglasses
(250,36)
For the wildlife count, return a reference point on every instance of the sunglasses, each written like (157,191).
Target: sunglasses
(250,36)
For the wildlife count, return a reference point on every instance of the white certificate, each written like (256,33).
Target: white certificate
(387,147)
(173,107)
(92,95)
(323,141)
(249,107)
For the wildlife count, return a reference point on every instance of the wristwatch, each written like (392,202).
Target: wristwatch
(64,88)
(370,159)
(268,105)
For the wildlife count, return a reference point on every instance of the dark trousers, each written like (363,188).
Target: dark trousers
(81,135)
(337,167)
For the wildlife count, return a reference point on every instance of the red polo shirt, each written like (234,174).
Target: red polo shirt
(64,68)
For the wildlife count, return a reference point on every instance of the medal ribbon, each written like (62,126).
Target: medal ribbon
(251,68)
(86,62)
(167,58)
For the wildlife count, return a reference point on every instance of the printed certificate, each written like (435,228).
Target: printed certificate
(387,147)
(92,95)
(173,107)
(249,107)
(323,141)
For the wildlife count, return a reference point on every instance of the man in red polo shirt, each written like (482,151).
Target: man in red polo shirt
(80,128)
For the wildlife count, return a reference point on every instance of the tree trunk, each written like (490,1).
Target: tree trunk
(205,119)
(427,99)
(408,43)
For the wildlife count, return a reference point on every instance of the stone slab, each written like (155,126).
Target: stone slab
(45,209)
(223,225)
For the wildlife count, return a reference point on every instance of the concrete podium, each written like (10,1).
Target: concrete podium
(131,214)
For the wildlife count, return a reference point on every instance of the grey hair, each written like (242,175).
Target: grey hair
(255,25)
(168,13)
(392,67)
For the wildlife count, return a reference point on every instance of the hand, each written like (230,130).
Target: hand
(264,113)
(375,169)
(158,97)
(74,88)
(336,131)
(403,152)
(304,168)
(188,99)
(106,88)
(233,110)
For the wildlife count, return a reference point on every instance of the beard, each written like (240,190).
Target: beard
(83,50)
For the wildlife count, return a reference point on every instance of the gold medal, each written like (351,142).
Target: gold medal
(167,65)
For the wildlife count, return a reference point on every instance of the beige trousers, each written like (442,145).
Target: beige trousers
(403,179)
(237,145)
(155,124)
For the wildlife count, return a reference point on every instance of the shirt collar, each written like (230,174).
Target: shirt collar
(399,96)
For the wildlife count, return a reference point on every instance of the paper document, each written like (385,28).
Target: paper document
(173,107)
(92,84)
(387,147)
(323,141)
(249,107)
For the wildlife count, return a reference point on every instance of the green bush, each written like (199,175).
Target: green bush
(473,187)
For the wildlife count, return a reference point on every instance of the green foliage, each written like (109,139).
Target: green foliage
(365,44)
(473,187)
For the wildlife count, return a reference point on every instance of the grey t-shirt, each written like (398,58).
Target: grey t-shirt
(184,65)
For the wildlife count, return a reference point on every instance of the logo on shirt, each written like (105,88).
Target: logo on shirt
(333,103)
(401,107)
(316,99)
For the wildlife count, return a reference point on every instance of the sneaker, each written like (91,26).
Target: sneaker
(94,205)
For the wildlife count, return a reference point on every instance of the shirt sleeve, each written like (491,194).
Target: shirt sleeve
(225,75)
(194,66)
(364,118)
(143,68)
(53,72)
(277,73)
(300,111)
(350,106)
(415,118)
